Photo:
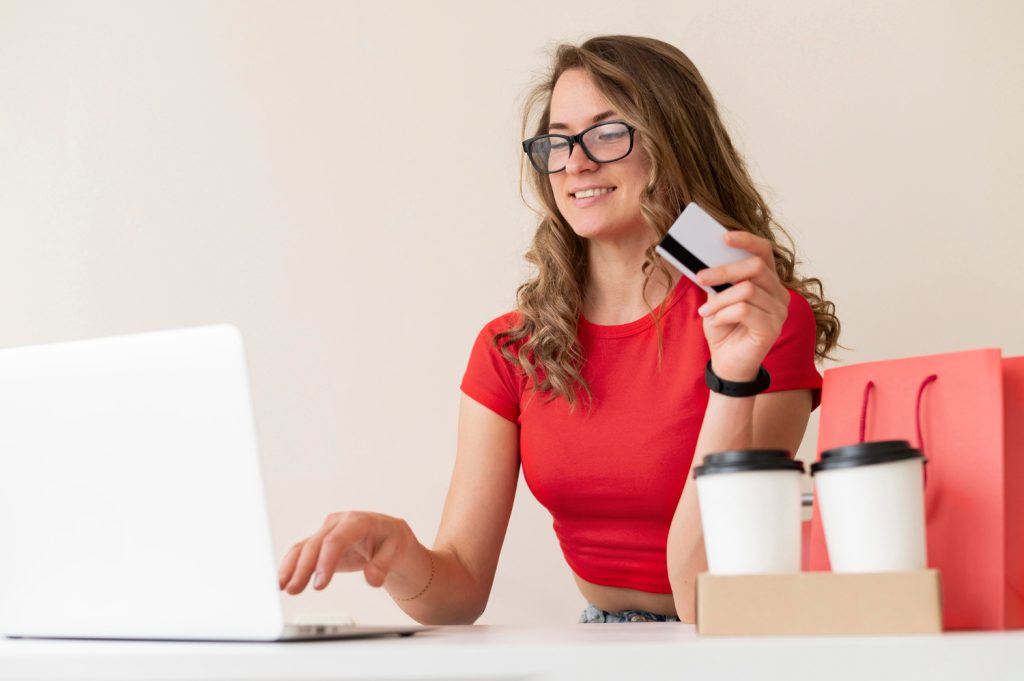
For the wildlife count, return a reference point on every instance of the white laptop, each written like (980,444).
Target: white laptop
(131,498)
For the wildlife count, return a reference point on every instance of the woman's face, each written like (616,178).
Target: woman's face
(614,212)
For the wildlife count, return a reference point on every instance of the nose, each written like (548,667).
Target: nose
(579,162)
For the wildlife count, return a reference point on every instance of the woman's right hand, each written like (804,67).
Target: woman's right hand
(347,542)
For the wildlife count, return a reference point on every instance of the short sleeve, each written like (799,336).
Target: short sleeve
(791,360)
(490,379)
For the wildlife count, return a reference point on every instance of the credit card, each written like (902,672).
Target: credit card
(695,243)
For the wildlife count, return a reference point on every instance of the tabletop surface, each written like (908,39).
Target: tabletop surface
(498,652)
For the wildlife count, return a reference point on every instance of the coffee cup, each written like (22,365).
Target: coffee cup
(871,500)
(750,511)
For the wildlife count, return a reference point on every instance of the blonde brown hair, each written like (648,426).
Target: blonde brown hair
(656,88)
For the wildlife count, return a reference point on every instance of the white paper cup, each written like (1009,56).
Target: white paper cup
(871,500)
(750,511)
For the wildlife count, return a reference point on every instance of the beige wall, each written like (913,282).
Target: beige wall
(339,180)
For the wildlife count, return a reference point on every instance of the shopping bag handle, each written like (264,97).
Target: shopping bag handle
(864,410)
(917,414)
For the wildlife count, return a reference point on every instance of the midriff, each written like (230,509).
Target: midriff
(615,599)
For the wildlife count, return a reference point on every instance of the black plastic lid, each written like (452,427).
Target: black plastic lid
(742,460)
(866,454)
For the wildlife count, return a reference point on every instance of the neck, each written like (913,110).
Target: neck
(615,283)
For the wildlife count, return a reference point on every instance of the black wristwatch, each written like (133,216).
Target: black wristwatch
(734,389)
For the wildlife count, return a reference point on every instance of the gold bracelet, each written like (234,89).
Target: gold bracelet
(424,589)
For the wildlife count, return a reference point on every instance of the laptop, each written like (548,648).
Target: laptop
(131,498)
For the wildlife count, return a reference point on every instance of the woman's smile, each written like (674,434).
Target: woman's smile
(583,198)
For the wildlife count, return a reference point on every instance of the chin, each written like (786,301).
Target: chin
(600,230)
(593,234)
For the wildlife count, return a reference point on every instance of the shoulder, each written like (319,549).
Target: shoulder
(800,330)
(502,323)
(801,313)
(489,339)
(791,361)
(491,378)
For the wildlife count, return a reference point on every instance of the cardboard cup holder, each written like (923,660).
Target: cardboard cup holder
(822,603)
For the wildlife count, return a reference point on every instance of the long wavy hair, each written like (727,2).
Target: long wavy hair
(656,88)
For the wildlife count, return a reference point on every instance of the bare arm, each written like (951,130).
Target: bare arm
(775,421)
(741,324)
(449,584)
(476,514)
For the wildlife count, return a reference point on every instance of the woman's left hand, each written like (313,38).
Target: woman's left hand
(743,322)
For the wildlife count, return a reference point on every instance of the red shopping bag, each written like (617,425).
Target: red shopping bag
(966,411)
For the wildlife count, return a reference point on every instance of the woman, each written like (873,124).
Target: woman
(600,396)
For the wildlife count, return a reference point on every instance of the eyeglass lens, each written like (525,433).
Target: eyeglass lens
(603,143)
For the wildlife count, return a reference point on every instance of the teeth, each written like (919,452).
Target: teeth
(587,193)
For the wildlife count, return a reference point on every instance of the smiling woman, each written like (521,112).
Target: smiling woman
(601,397)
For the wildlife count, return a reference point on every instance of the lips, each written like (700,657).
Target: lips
(590,192)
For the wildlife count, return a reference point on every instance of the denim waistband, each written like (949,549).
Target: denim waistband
(593,615)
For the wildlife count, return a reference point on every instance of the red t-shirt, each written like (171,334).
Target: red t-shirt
(612,477)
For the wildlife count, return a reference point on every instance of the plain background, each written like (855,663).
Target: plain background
(340,180)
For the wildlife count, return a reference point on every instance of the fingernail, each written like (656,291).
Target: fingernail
(319,580)
(702,310)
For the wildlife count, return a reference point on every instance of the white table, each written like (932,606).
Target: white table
(595,651)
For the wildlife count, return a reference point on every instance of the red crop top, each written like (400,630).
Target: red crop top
(612,478)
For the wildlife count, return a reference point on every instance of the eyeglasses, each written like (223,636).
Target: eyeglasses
(602,143)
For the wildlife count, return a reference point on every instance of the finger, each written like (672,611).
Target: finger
(306,562)
(347,537)
(732,273)
(284,574)
(751,243)
(753,319)
(753,269)
(744,292)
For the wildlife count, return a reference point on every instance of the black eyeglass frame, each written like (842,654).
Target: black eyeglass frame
(577,139)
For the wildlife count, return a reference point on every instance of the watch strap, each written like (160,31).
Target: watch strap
(735,388)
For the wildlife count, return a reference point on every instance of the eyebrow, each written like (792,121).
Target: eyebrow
(597,119)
